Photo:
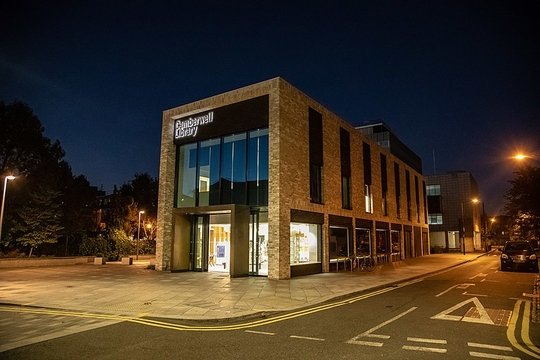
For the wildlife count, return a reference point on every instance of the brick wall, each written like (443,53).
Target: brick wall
(289,171)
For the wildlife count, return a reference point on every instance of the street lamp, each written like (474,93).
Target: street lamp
(474,201)
(525,157)
(138,234)
(8,177)
(520,156)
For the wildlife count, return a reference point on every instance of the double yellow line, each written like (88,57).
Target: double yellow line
(180,327)
(526,346)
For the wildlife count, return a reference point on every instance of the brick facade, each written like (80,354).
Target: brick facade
(289,174)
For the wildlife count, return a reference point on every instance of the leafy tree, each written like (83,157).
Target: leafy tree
(79,202)
(523,203)
(121,212)
(39,220)
(22,144)
(144,190)
(38,163)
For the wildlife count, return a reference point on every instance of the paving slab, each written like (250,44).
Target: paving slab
(135,290)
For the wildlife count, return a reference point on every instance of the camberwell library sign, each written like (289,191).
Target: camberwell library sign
(189,127)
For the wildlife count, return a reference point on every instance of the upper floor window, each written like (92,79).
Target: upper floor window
(435,219)
(315,156)
(345,154)
(226,170)
(433,190)
(368,198)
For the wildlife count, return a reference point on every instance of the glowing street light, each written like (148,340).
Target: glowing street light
(524,157)
(138,234)
(8,177)
(472,201)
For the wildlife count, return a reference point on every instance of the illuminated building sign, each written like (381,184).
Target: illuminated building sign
(189,127)
(225,120)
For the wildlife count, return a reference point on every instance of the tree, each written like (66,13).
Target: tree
(39,220)
(144,190)
(38,163)
(21,139)
(523,203)
(79,201)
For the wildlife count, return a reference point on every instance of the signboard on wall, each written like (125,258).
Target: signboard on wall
(238,117)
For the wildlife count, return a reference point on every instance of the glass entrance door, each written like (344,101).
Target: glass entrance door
(258,242)
(199,243)
(219,243)
(211,243)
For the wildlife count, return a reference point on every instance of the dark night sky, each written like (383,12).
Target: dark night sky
(455,78)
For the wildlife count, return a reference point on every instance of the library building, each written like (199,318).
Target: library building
(265,181)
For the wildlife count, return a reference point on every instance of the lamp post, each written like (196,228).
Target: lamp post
(138,234)
(474,201)
(8,177)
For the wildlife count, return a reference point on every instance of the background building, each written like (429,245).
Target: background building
(454,205)
(263,180)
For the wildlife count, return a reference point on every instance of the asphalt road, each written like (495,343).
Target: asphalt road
(473,311)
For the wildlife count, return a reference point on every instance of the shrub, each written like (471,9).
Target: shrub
(95,246)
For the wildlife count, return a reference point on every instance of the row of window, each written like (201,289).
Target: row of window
(316,173)
(305,242)
(226,170)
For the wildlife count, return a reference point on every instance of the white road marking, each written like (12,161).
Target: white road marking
(369,332)
(487,346)
(458,286)
(483,319)
(388,321)
(259,332)
(366,343)
(425,349)
(379,336)
(306,338)
(478,275)
(492,356)
(466,293)
(430,341)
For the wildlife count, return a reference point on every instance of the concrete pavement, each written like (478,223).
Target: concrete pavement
(137,291)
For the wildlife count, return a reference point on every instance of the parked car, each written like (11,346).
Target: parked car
(519,255)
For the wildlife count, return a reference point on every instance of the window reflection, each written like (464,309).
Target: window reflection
(228,170)
(187,172)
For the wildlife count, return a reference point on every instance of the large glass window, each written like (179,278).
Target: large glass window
(395,237)
(397,184)
(340,243)
(233,172)
(228,170)
(315,156)
(187,175)
(363,242)
(305,243)
(209,172)
(345,153)
(257,169)
(408,193)
(381,241)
